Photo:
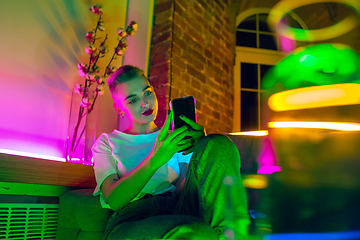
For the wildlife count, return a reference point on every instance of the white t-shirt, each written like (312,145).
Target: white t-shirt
(120,153)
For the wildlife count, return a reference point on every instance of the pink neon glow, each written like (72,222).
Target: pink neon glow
(32,155)
(38,78)
(40,156)
(267,155)
(267,158)
(269,169)
(287,44)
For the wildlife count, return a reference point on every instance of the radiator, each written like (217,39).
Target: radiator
(21,221)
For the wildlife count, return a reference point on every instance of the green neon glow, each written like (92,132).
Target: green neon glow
(321,64)
(307,60)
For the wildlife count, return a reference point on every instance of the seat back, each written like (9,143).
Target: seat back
(81,216)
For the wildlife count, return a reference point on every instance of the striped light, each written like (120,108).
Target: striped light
(315,97)
(32,155)
(255,181)
(252,133)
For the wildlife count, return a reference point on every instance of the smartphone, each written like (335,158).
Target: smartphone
(182,106)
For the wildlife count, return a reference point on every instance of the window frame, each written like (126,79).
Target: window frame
(255,56)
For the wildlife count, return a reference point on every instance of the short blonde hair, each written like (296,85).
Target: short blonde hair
(123,74)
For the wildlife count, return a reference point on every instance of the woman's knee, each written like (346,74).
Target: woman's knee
(194,231)
(220,145)
(219,140)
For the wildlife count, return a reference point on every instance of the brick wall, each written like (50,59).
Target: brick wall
(192,52)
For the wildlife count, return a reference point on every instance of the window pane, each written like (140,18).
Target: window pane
(245,39)
(249,111)
(264,112)
(262,23)
(249,75)
(263,71)
(249,23)
(267,42)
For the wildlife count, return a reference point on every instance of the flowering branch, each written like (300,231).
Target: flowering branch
(91,71)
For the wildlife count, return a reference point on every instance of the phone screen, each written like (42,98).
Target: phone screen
(182,106)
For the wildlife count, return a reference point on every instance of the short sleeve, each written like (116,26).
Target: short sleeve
(184,158)
(104,162)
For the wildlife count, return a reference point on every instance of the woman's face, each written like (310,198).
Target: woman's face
(133,98)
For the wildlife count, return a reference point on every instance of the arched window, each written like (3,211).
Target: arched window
(257,50)
(254,32)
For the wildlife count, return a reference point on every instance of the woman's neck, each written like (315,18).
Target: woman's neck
(142,129)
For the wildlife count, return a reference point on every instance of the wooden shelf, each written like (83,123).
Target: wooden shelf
(17,169)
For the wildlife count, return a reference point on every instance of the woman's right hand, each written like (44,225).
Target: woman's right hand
(167,144)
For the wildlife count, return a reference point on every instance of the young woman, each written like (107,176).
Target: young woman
(156,189)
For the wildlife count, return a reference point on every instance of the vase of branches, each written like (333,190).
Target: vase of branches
(84,95)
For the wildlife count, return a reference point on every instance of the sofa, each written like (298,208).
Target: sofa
(81,216)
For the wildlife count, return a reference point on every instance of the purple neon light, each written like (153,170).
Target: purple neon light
(267,158)
(269,169)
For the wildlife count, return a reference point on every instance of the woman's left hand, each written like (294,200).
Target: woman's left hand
(197,132)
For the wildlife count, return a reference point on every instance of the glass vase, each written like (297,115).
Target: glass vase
(81,132)
(75,142)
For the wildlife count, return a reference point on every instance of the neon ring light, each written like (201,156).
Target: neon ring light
(285,6)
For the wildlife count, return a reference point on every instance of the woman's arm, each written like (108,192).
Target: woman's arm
(119,191)
(181,181)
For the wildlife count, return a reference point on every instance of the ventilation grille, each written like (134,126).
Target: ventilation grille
(28,221)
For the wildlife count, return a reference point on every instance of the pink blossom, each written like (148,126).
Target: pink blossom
(82,66)
(103,48)
(121,32)
(100,80)
(97,9)
(97,79)
(79,88)
(90,49)
(100,89)
(90,36)
(82,69)
(85,102)
(82,73)
(91,76)
(119,51)
(134,25)
(123,44)
(93,58)
(110,69)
